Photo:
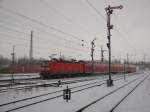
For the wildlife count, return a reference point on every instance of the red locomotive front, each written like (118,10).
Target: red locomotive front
(54,69)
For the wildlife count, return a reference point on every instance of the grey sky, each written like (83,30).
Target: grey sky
(18,17)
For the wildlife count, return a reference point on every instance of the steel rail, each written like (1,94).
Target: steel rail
(90,104)
(130,92)
(104,81)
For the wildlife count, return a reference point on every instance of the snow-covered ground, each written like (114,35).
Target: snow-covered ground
(138,101)
(18,76)
(12,95)
(27,83)
(82,98)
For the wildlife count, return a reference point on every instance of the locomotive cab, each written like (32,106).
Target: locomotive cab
(44,65)
(45,69)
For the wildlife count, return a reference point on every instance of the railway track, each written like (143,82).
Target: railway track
(54,84)
(111,93)
(130,92)
(20,79)
(34,85)
(53,95)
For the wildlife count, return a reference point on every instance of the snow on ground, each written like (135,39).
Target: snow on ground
(18,76)
(110,101)
(23,83)
(138,101)
(78,99)
(12,95)
(82,98)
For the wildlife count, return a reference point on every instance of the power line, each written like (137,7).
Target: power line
(62,45)
(106,2)
(98,12)
(125,32)
(14,30)
(44,32)
(17,44)
(58,37)
(4,21)
(46,50)
(66,47)
(58,12)
(54,10)
(16,37)
(22,25)
(40,23)
(125,38)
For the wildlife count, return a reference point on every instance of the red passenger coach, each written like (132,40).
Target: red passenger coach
(27,68)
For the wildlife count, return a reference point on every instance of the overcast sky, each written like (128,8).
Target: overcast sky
(59,26)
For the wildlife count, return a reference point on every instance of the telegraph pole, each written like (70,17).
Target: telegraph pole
(60,54)
(31,49)
(124,69)
(127,58)
(120,58)
(13,65)
(144,58)
(127,61)
(92,52)
(109,11)
(102,54)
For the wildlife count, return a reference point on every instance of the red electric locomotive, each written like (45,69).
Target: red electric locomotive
(60,68)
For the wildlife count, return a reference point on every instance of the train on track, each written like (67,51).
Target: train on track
(61,68)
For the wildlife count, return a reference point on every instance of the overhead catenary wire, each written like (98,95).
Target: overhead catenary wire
(101,15)
(30,20)
(45,41)
(23,15)
(23,25)
(122,35)
(106,2)
(62,45)
(37,29)
(14,30)
(40,23)
(34,27)
(95,9)
(46,4)
(46,50)
(45,32)
(3,35)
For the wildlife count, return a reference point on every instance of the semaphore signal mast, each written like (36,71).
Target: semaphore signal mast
(109,11)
